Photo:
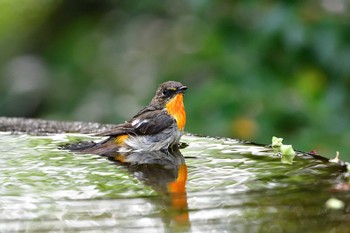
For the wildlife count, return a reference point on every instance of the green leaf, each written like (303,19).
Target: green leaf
(336,159)
(288,154)
(277,142)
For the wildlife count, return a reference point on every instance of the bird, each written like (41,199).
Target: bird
(158,126)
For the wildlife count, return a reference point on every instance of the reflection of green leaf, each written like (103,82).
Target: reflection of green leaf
(334,203)
(288,154)
(276,142)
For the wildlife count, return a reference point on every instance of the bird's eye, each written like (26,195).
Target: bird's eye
(168,92)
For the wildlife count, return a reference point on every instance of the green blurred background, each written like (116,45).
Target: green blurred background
(254,68)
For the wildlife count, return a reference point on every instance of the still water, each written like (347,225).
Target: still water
(212,185)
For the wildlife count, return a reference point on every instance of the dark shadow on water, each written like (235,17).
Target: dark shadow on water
(166,172)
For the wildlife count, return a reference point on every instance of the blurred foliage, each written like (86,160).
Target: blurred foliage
(254,68)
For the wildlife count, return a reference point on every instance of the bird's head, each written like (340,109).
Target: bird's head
(166,92)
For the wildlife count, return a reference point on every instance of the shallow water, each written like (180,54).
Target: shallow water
(230,187)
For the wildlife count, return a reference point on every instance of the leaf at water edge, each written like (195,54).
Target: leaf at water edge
(288,154)
(277,142)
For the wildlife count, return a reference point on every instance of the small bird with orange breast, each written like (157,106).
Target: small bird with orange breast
(158,126)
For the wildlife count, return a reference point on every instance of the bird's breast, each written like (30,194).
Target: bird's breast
(175,107)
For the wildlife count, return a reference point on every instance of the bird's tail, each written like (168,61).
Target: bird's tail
(105,147)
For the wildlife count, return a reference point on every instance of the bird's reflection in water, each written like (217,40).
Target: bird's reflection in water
(166,173)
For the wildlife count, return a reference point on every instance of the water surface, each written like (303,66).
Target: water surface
(213,185)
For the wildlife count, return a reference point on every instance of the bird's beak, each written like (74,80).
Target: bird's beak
(182,89)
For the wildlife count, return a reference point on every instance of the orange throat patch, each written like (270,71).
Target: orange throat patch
(175,107)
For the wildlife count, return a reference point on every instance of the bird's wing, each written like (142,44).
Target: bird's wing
(144,123)
(152,122)
(125,128)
